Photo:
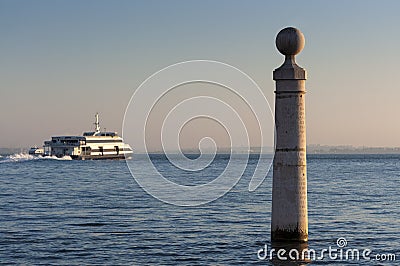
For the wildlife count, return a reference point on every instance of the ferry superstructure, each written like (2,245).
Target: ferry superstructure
(93,145)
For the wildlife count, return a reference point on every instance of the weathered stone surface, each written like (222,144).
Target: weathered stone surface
(290,41)
(289,192)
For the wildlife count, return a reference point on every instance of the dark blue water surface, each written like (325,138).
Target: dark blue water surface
(93,212)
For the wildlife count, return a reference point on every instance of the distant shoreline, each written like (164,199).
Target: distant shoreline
(311,149)
(326,149)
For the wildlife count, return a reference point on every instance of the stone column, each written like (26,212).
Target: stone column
(289,190)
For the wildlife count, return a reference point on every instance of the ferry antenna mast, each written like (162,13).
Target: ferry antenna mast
(96,123)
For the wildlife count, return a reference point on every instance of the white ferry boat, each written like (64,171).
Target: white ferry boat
(94,145)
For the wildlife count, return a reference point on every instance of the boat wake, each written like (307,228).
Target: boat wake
(21,157)
(65,158)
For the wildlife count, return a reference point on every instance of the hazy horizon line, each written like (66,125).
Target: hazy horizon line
(311,149)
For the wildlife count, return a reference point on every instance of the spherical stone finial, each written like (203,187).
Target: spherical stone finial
(290,41)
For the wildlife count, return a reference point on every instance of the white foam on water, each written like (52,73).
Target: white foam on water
(65,158)
(17,157)
(20,157)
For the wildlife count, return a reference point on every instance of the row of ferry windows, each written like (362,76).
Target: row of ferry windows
(101,149)
(69,141)
(104,134)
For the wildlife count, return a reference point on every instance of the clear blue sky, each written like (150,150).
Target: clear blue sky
(62,61)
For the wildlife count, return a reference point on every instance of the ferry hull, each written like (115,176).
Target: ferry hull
(100,157)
